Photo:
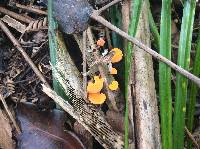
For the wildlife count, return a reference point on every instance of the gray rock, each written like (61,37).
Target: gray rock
(72,15)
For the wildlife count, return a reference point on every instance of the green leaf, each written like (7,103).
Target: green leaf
(193,90)
(181,81)
(165,76)
(154,30)
(116,19)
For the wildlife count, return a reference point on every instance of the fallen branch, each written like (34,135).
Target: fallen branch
(92,122)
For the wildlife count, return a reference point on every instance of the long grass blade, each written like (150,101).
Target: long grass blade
(116,19)
(154,30)
(193,90)
(165,76)
(181,82)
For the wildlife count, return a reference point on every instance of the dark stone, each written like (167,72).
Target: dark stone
(72,15)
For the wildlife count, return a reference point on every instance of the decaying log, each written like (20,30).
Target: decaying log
(145,102)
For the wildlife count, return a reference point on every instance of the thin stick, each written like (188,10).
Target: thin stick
(84,65)
(191,138)
(15,15)
(108,5)
(108,38)
(95,16)
(31,9)
(24,54)
(10,114)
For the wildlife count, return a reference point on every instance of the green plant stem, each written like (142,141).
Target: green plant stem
(154,30)
(165,76)
(135,14)
(116,19)
(193,90)
(181,82)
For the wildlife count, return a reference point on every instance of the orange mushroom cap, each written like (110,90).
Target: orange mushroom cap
(117,56)
(96,98)
(101,42)
(113,71)
(114,85)
(96,86)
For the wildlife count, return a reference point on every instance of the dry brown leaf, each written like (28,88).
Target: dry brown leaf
(44,129)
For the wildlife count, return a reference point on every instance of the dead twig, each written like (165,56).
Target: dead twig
(84,65)
(31,9)
(95,15)
(108,38)
(103,59)
(10,114)
(15,15)
(108,5)
(191,137)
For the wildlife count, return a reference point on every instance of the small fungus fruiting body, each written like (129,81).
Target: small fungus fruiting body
(114,85)
(96,86)
(113,71)
(97,98)
(101,42)
(117,56)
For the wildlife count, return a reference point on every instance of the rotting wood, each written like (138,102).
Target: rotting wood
(14,23)
(145,102)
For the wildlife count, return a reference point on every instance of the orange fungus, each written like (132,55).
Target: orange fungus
(101,42)
(113,71)
(96,86)
(117,55)
(96,98)
(114,85)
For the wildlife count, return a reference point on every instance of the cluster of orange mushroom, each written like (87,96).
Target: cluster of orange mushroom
(95,86)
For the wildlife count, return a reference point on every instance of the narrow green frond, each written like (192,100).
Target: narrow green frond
(116,19)
(181,82)
(165,76)
(154,30)
(193,90)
